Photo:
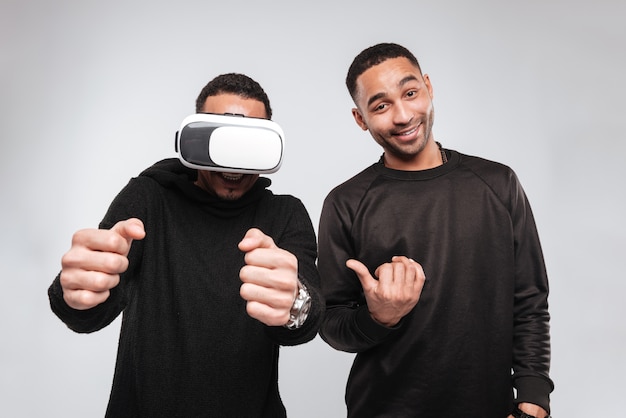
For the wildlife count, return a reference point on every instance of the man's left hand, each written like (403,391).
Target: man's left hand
(270,278)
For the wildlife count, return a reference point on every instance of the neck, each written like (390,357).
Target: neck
(431,156)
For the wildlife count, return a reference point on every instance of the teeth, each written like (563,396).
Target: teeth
(409,132)
(232,176)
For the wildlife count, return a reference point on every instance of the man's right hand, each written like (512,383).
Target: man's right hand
(395,293)
(92,266)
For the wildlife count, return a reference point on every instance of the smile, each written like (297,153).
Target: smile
(232,176)
(408,132)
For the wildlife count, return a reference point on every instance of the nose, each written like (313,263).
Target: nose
(402,114)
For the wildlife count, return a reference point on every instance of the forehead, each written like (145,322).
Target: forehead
(232,103)
(386,77)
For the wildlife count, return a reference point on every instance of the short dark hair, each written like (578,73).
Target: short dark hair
(372,56)
(234,83)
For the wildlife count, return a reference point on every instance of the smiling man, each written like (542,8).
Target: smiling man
(431,266)
(213,273)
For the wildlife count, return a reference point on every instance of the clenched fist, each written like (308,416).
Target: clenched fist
(92,266)
(270,278)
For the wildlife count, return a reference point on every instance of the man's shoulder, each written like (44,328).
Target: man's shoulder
(498,177)
(280,198)
(488,170)
(481,163)
(358,183)
(274,201)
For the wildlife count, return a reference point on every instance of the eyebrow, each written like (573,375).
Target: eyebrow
(401,83)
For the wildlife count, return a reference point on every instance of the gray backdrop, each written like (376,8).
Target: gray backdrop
(92,93)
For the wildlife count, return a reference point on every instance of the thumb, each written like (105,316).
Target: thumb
(255,238)
(130,229)
(366,279)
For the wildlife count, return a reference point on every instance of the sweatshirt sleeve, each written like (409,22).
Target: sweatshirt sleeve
(126,204)
(347,325)
(531,333)
(84,321)
(298,237)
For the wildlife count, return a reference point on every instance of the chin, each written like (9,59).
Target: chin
(227,195)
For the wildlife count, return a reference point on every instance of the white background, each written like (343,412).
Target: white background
(92,93)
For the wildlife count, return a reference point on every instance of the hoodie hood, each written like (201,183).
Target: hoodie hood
(172,174)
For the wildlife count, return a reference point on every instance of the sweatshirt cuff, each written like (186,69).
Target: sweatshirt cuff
(370,328)
(535,390)
(77,320)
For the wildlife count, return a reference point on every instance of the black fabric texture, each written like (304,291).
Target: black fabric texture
(187,347)
(481,326)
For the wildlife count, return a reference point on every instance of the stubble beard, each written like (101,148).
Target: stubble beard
(230,195)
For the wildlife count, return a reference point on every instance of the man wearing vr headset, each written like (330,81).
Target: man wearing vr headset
(431,266)
(213,273)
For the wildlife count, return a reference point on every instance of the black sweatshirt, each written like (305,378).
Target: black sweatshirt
(187,346)
(483,311)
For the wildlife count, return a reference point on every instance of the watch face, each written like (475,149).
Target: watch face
(300,309)
(304,312)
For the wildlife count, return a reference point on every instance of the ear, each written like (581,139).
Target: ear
(358,117)
(429,86)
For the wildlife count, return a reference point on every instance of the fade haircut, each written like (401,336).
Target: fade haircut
(372,56)
(233,83)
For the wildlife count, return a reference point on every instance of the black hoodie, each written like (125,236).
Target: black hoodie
(187,347)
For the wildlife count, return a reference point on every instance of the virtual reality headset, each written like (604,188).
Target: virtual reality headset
(230,143)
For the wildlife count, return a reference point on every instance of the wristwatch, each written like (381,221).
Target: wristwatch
(518,413)
(300,309)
